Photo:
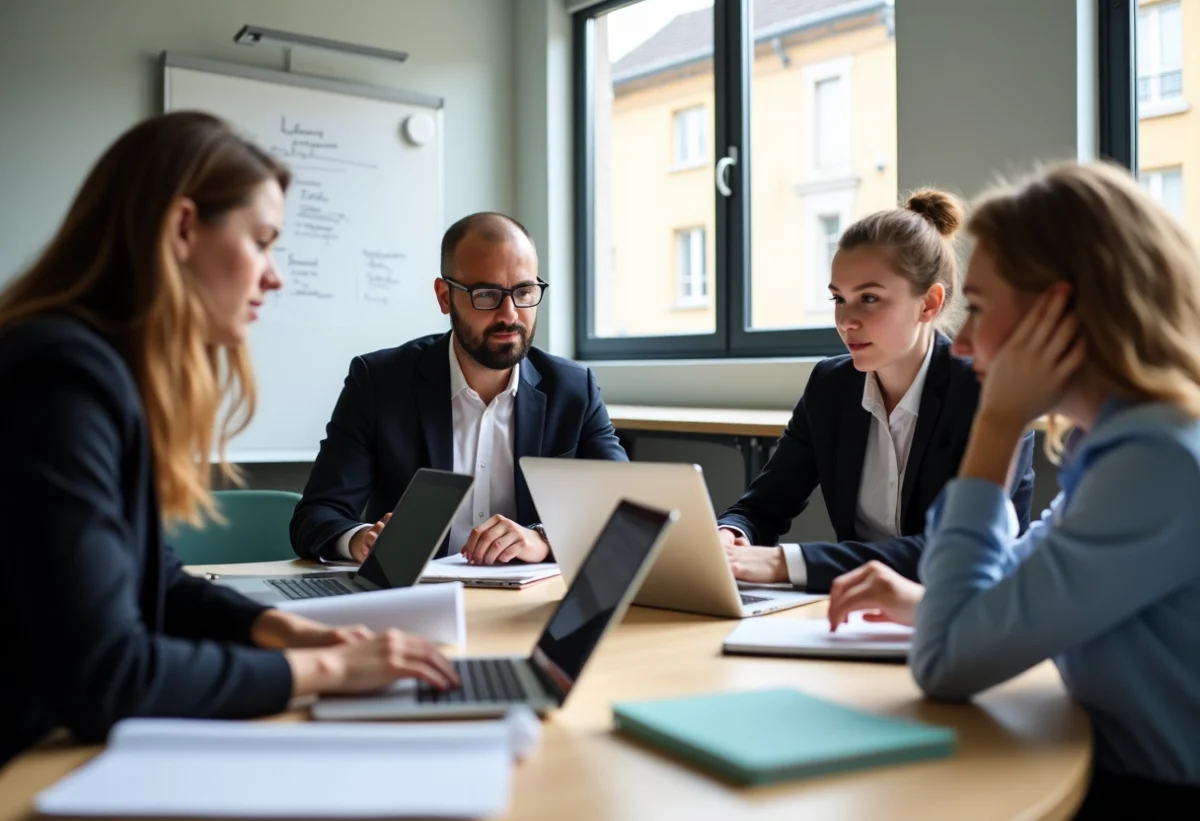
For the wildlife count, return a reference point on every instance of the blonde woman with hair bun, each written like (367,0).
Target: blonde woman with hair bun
(1084,305)
(882,428)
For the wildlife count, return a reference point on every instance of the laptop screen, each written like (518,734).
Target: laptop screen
(417,528)
(598,591)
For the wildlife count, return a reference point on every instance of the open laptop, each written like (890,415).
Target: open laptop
(595,601)
(573,497)
(417,528)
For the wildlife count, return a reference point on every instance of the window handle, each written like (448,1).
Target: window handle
(723,165)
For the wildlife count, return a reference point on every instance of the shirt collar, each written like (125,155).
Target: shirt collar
(911,403)
(458,382)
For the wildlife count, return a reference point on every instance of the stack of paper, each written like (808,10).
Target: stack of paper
(812,638)
(456,568)
(174,768)
(435,612)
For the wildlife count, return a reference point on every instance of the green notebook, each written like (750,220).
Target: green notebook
(761,736)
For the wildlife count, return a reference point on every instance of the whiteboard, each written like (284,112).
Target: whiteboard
(361,238)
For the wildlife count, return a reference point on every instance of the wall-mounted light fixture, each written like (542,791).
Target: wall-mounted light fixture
(253,35)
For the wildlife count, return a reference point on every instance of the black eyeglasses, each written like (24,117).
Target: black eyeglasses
(489,297)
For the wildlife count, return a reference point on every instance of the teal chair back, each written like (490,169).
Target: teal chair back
(255,529)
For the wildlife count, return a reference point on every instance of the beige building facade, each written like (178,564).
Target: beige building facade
(822,154)
(1168,69)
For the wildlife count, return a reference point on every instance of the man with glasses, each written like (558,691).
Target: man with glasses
(474,400)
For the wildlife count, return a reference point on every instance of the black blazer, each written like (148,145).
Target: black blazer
(825,443)
(103,622)
(394,416)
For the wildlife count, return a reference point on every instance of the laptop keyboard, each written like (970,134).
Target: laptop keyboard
(753,599)
(483,680)
(311,588)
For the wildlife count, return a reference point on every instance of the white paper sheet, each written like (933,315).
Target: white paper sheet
(434,611)
(456,567)
(811,637)
(169,767)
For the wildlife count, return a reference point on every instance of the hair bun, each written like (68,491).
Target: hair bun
(941,210)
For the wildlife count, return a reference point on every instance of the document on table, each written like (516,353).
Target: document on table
(234,769)
(811,638)
(456,568)
(436,612)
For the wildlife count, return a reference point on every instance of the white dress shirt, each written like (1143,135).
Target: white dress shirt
(889,440)
(483,447)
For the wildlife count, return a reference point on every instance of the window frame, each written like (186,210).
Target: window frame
(1117,30)
(728,267)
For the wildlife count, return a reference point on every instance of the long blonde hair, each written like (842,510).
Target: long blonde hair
(1133,270)
(111,266)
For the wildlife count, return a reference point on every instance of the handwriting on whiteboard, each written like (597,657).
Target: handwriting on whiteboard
(336,252)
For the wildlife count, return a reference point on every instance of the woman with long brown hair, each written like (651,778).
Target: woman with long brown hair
(118,348)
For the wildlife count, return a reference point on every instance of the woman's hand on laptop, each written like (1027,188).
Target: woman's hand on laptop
(500,540)
(369,665)
(362,541)
(877,589)
(278,629)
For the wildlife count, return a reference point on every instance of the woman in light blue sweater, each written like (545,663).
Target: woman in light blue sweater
(1084,303)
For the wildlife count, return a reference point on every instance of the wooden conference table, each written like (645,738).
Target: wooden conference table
(1023,751)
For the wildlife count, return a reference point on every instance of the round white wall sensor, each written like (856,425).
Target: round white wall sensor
(418,128)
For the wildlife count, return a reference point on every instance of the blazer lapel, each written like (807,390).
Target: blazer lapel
(433,404)
(936,380)
(530,421)
(854,424)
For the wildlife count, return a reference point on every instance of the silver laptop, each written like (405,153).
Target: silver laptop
(573,497)
(416,530)
(595,601)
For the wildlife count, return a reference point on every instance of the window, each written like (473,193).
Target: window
(829,86)
(829,229)
(1166,186)
(642,130)
(823,182)
(1159,59)
(689,137)
(1147,50)
(783,115)
(829,124)
(690,270)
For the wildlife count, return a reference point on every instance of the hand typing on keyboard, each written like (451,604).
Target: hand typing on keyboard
(369,665)
(483,680)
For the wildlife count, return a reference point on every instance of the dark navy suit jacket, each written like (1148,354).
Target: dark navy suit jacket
(103,622)
(394,417)
(825,443)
